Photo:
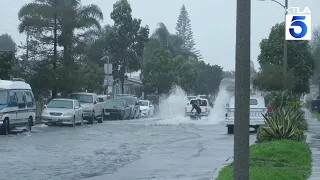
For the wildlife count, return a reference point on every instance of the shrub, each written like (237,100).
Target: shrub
(283,123)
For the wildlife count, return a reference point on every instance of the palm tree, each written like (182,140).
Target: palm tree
(40,18)
(45,18)
(162,37)
(73,17)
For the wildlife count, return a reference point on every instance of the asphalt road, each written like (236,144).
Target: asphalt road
(117,150)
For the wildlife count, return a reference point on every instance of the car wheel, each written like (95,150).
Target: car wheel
(73,121)
(101,119)
(92,119)
(30,124)
(5,130)
(81,123)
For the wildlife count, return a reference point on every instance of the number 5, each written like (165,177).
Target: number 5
(298,22)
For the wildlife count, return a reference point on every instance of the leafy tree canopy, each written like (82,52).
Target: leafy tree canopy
(127,40)
(300,58)
(7,43)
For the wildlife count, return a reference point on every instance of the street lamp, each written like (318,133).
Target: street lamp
(285,44)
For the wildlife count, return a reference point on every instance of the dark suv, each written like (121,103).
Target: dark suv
(133,103)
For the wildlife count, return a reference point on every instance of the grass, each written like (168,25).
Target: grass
(276,160)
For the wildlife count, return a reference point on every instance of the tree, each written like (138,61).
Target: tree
(271,78)
(5,64)
(161,37)
(184,31)
(158,75)
(315,44)
(39,20)
(229,74)
(7,43)
(208,78)
(300,59)
(126,41)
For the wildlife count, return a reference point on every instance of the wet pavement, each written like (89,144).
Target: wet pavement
(117,150)
(314,142)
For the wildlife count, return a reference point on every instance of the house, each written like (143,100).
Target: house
(132,85)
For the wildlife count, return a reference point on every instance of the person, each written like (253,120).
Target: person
(197,108)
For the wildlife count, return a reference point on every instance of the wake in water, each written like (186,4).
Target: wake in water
(172,108)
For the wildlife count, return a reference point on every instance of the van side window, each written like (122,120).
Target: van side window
(21,100)
(12,98)
(29,99)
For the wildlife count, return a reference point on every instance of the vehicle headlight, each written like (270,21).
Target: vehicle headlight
(45,113)
(68,114)
(1,115)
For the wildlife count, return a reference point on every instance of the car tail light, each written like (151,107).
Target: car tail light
(207,110)
(269,108)
(185,109)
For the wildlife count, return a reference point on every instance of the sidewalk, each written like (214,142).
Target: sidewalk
(313,140)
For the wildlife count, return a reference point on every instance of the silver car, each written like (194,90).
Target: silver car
(63,111)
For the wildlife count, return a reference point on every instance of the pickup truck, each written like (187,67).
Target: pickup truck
(257,108)
(92,108)
(204,105)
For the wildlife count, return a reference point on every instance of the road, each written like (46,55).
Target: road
(117,150)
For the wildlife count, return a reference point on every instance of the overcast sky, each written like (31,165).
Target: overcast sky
(215,38)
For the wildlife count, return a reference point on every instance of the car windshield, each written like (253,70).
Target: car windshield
(65,104)
(114,102)
(144,103)
(82,98)
(129,100)
(3,97)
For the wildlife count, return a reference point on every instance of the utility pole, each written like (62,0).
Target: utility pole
(285,48)
(108,81)
(242,91)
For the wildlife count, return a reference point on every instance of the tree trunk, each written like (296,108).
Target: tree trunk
(242,91)
(54,62)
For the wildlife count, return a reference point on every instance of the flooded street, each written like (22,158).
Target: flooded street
(117,150)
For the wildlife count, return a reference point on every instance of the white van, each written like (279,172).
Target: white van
(17,105)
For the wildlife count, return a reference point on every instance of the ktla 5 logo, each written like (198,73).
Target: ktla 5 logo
(298,24)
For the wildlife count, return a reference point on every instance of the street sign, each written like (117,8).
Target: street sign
(108,80)
(107,68)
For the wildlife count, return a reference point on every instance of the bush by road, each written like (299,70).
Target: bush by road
(276,160)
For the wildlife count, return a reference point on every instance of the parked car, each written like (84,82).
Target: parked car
(146,108)
(257,108)
(63,111)
(133,103)
(204,105)
(92,109)
(116,109)
(17,105)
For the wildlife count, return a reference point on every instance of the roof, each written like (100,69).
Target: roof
(5,84)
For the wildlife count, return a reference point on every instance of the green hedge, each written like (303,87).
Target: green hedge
(276,160)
